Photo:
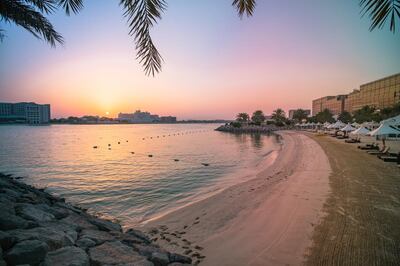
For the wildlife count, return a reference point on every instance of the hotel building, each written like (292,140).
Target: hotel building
(380,94)
(24,112)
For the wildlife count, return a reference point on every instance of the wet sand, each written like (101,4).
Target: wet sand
(268,220)
(362,222)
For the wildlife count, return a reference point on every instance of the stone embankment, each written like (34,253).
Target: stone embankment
(37,228)
(248,129)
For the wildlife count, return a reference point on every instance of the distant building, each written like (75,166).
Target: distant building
(24,112)
(291,112)
(168,119)
(380,94)
(138,117)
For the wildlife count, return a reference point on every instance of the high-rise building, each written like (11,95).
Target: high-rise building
(25,112)
(380,94)
(335,104)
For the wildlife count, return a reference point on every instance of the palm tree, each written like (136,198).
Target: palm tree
(242,117)
(143,14)
(279,115)
(300,114)
(258,117)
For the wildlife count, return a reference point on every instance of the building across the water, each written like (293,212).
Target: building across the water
(144,117)
(25,112)
(292,111)
(380,94)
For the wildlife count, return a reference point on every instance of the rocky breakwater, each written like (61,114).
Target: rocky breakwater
(37,228)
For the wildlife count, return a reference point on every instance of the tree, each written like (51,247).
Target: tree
(143,14)
(345,117)
(258,117)
(242,117)
(299,115)
(365,114)
(279,116)
(324,116)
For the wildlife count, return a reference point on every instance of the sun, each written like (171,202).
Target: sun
(107,113)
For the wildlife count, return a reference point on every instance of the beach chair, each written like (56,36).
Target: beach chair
(383,151)
(372,146)
(392,157)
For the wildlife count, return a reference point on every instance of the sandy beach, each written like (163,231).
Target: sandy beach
(268,220)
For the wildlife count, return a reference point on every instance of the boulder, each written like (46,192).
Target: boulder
(174,257)
(147,250)
(68,206)
(68,229)
(27,252)
(55,239)
(33,213)
(2,262)
(57,212)
(160,258)
(115,253)
(68,256)
(10,192)
(85,243)
(139,234)
(79,221)
(6,240)
(106,225)
(131,240)
(10,221)
(97,236)
(7,206)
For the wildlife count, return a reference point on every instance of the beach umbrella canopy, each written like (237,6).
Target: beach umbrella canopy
(384,130)
(395,121)
(338,124)
(355,124)
(348,128)
(360,131)
(327,124)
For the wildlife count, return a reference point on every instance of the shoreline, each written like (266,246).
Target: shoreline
(280,204)
(223,183)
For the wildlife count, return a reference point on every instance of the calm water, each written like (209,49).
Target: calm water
(130,187)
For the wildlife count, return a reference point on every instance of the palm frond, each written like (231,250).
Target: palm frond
(26,16)
(141,16)
(380,11)
(69,6)
(45,6)
(244,6)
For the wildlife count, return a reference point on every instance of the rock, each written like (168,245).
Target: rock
(68,256)
(11,192)
(57,212)
(68,229)
(178,264)
(139,234)
(115,253)
(10,221)
(33,213)
(27,252)
(147,250)
(2,262)
(79,221)
(159,258)
(131,240)
(85,243)
(106,225)
(174,257)
(7,240)
(55,239)
(7,206)
(68,206)
(97,236)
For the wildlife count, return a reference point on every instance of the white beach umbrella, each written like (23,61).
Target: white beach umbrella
(384,130)
(355,124)
(327,124)
(360,131)
(348,128)
(392,121)
(339,124)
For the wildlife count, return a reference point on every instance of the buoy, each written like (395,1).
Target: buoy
(109,145)
(205,164)
(150,155)
(119,142)
(132,152)
(176,160)
(94,147)
(109,148)
(126,141)
(142,138)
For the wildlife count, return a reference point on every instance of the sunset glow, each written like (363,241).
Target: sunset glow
(215,64)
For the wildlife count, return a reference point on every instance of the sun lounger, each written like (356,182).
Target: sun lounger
(352,141)
(372,146)
(384,151)
(391,157)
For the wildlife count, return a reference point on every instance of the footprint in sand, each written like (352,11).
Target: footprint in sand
(198,248)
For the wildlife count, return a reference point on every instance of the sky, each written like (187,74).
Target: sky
(215,64)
